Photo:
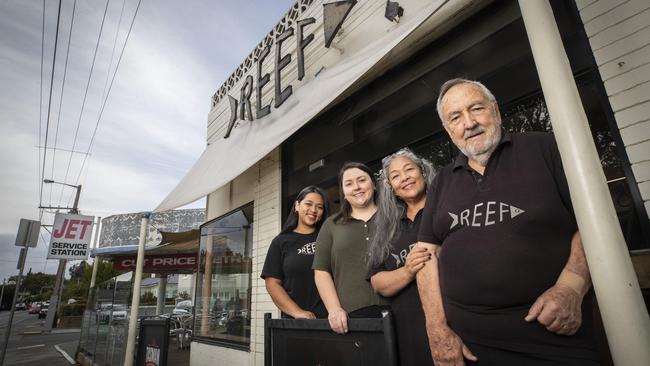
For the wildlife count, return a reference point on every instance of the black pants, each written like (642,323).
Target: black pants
(372,311)
(489,356)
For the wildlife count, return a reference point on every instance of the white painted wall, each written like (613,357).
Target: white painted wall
(619,35)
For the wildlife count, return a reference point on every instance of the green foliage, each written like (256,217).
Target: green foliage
(148,298)
(81,274)
(183,295)
(36,283)
(72,309)
(105,272)
(44,296)
(7,296)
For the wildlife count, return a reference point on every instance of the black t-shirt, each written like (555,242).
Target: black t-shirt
(505,236)
(289,259)
(412,341)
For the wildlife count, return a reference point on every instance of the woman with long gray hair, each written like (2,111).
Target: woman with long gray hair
(395,258)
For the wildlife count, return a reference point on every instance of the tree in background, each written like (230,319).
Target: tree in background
(80,276)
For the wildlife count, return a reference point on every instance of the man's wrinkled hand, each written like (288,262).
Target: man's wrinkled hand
(447,349)
(558,309)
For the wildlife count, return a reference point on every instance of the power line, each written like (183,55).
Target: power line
(65,73)
(101,112)
(117,32)
(40,112)
(104,94)
(49,105)
(83,104)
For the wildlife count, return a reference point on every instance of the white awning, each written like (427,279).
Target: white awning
(223,160)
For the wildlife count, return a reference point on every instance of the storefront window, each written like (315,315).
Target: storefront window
(223,297)
(105,323)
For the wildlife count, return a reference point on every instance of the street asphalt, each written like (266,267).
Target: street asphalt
(29,345)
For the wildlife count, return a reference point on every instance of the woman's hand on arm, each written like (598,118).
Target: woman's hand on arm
(389,283)
(283,301)
(337,316)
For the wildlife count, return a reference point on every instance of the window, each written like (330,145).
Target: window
(223,296)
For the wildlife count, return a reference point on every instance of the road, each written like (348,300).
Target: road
(27,346)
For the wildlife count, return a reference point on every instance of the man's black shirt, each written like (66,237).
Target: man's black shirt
(505,237)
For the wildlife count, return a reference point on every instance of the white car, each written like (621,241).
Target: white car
(183,308)
(119,313)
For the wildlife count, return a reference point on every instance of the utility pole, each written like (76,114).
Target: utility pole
(2,294)
(27,237)
(60,272)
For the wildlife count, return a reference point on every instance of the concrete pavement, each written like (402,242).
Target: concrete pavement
(29,345)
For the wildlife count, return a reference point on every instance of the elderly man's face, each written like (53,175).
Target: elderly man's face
(472,121)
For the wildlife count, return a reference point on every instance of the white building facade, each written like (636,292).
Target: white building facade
(302,103)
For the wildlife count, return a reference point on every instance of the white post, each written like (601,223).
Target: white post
(135,301)
(93,278)
(622,308)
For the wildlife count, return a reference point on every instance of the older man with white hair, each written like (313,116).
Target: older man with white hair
(508,278)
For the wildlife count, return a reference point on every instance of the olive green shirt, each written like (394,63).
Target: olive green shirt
(342,250)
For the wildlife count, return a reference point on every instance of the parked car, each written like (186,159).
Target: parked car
(119,313)
(183,308)
(104,313)
(34,309)
(42,314)
(21,306)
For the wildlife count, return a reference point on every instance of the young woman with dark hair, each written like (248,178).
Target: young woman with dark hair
(342,251)
(287,269)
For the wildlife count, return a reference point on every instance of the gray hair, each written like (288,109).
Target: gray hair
(390,209)
(453,82)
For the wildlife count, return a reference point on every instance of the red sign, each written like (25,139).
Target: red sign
(70,236)
(156,262)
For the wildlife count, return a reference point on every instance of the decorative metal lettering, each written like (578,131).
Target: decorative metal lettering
(302,43)
(233,115)
(261,81)
(280,63)
(333,16)
(244,99)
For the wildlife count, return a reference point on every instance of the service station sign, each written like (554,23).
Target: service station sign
(71,236)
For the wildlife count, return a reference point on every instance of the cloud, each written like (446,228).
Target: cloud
(154,125)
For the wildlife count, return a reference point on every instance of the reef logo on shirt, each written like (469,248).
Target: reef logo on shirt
(485,214)
(307,249)
(401,257)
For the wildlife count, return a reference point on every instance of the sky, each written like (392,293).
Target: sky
(153,125)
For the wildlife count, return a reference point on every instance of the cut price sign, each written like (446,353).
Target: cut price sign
(70,237)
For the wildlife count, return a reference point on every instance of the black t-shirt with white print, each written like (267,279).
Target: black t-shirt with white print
(289,259)
(505,237)
(412,341)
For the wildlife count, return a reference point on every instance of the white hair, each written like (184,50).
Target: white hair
(453,82)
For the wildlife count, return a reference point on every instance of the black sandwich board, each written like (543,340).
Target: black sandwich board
(297,342)
(153,342)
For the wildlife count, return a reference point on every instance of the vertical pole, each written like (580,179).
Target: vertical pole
(617,288)
(55,300)
(2,294)
(5,343)
(135,301)
(93,278)
(206,292)
(162,290)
